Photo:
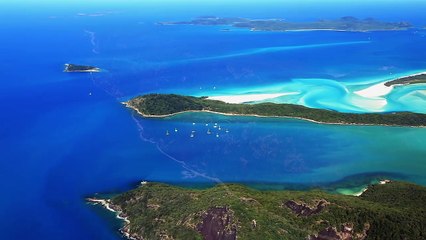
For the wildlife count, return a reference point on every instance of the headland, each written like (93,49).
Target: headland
(164,105)
(232,211)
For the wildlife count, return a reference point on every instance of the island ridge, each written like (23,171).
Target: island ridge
(390,210)
(163,105)
(347,23)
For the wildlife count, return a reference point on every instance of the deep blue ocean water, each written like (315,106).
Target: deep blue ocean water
(64,137)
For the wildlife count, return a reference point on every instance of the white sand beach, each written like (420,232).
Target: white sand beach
(376,90)
(370,104)
(360,192)
(249,97)
(381,89)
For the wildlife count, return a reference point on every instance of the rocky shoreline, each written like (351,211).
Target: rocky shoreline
(106,203)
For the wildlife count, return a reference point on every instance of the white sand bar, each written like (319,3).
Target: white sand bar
(249,97)
(370,104)
(376,90)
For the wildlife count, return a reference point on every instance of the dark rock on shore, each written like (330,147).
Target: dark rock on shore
(302,209)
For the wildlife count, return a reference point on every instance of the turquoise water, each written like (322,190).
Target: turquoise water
(283,150)
(339,96)
(64,137)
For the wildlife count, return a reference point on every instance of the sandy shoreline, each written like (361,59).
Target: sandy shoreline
(260,116)
(411,75)
(349,192)
(374,92)
(219,113)
(381,182)
(244,98)
(377,90)
(380,89)
(361,192)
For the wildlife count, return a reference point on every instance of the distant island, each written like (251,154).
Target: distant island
(390,210)
(412,79)
(163,105)
(342,24)
(80,68)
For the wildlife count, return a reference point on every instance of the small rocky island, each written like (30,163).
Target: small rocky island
(348,23)
(394,210)
(163,105)
(80,68)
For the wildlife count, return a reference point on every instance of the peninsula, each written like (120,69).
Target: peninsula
(390,210)
(412,79)
(347,23)
(80,68)
(163,105)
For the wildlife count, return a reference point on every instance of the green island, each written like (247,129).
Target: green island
(163,105)
(80,68)
(390,210)
(413,79)
(347,23)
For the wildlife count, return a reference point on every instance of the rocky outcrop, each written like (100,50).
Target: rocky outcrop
(344,232)
(303,209)
(218,224)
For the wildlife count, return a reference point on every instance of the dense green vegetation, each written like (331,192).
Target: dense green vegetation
(165,104)
(392,211)
(415,79)
(342,24)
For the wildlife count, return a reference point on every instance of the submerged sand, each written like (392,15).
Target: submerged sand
(245,98)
